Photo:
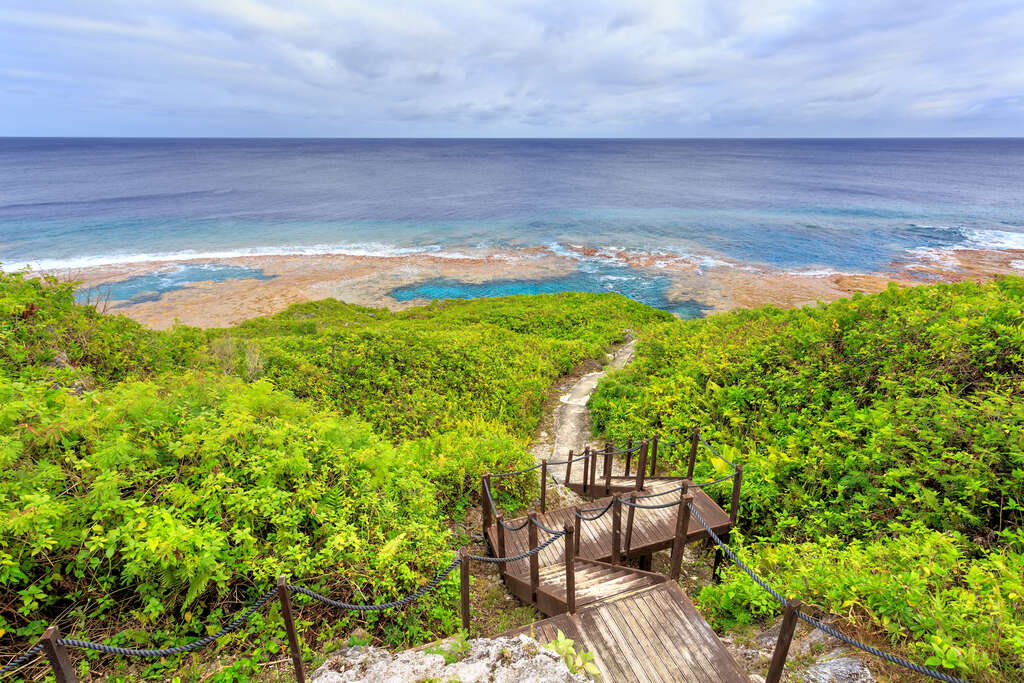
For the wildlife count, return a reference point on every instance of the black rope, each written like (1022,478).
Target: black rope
(514,528)
(566,462)
(512,474)
(820,625)
(658,494)
(490,499)
(497,515)
(520,556)
(540,526)
(23,658)
(402,602)
(597,516)
(713,481)
(671,503)
(623,451)
(179,649)
(712,449)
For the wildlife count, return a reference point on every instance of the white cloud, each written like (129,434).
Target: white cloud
(758,67)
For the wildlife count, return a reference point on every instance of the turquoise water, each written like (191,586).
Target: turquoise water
(151,286)
(627,281)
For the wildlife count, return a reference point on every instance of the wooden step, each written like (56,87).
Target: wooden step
(649,634)
(652,529)
(594,581)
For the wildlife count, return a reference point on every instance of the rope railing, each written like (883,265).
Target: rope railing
(601,514)
(712,449)
(893,659)
(622,451)
(282,590)
(521,556)
(543,528)
(402,602)
(671,503)
(502,475)
(566,462)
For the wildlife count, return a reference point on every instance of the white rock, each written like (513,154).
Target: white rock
(501,660)
(838,669)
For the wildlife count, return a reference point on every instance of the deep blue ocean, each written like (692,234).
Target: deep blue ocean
(802,205)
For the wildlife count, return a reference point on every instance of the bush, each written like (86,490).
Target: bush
(882,439)
(429,369)
(921,592)
(154,483)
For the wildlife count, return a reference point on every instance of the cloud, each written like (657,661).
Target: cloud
(525,67)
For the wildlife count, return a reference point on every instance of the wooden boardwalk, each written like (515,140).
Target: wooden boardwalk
(639,624)
(653,634)
(652,530)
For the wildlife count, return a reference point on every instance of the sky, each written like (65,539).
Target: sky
(473,68)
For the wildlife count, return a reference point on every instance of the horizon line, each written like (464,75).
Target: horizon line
(484,138)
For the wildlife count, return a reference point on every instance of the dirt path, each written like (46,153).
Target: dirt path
(566,425)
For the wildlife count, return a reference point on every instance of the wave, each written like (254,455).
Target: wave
(100,260)
(994,239)
(119,199)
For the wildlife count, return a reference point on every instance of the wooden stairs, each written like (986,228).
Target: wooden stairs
(640,625)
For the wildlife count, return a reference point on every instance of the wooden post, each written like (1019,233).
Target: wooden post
(641,467)
(464,587)
(616,529)
(285,596)
(694,440)
(607,469)
(593,469)
(577,530)
(58,656)
(629,454)
(570,569)
(534,559)
(737,482)
(789,618)
(544,485)
(629,522)
(679,542)
(654,455)
(500,532)
(586,468)
(568,469)
(485,484)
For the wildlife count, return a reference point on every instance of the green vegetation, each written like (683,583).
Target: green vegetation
(578,661)
(433,368)
(883,447)
(453,650)
(154,483)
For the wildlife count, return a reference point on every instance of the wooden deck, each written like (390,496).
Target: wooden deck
(639,625)
(652,529)
(650,634)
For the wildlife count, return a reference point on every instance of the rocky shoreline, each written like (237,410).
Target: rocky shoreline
(715,282)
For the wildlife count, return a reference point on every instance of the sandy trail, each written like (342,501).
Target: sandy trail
(570,426)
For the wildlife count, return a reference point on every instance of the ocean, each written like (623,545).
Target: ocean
(799,205)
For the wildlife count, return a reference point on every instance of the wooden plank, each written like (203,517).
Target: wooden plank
(706,642)
(620,667)
(643,640)
(629,657)
(680,642)
(658,648)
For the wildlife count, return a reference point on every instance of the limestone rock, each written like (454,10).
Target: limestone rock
(501,660)
(838,667)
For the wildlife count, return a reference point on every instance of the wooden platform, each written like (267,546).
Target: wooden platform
(639,625)
(649,634)
(652,529)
